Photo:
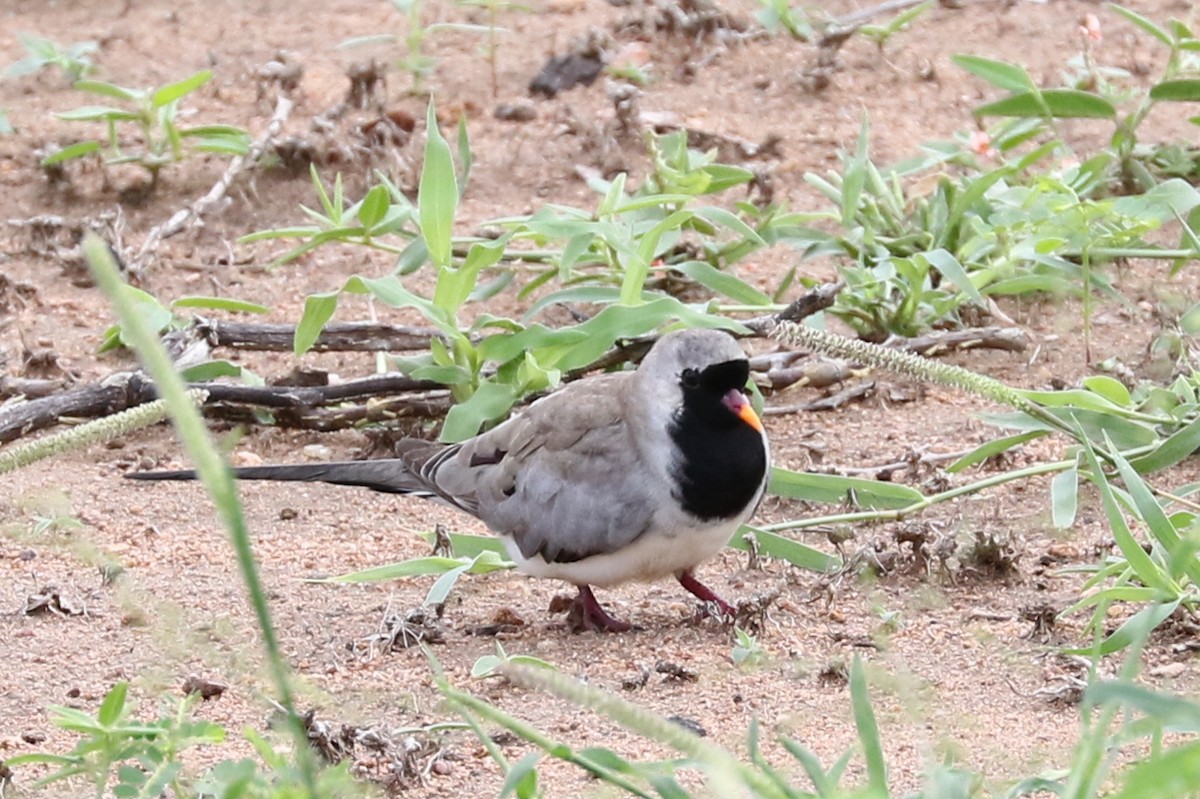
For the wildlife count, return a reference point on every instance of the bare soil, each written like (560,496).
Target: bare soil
(958,667)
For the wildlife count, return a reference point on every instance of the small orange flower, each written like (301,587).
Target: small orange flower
(981,144)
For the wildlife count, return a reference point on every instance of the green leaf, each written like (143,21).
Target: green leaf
(374,206)
(722,283)
(993,448)
(724,176)
(1064,497)
(1143,23)
(105,89)
(1182,444)
(1109,388)
(1147,570)
(113,706)
(1133,629)
(855,177)
(1179,91)
(174,91)
(1009,77)
(490,401)
(318,310)
(97,113)
(868,730)
(777,546)
(77,150)
(953,271)
(210,370)
(481,564)
(220,304)
(521,780)
(1059,103)
(1170,710)
(836,489)
(437,194)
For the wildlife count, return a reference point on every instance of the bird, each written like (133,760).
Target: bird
(627,476)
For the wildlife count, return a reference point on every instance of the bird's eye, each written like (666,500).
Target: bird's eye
(690,378)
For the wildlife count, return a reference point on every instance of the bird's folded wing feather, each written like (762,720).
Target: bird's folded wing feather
(564,478)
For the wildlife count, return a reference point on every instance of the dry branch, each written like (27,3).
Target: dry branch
(337,336)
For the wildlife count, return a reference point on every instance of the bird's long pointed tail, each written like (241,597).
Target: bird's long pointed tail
(390,475)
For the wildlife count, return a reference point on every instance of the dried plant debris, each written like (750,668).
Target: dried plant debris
(993,554)
(51,600)
(638,680)
(396,631)
(1066,678)
(691,725)
(694,19)
(673,672)
(579,67)
(1043,616)
(398,762)
(752,611)
(206,688)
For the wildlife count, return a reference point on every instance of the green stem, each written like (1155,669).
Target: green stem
(213,472)
(922,504)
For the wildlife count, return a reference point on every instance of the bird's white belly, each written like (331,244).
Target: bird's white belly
(660,552)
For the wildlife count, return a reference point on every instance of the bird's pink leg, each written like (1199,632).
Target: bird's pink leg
(706,594)
(587,614)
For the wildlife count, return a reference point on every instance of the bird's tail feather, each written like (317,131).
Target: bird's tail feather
(390,475)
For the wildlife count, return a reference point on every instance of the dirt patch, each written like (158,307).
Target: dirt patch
(145,587)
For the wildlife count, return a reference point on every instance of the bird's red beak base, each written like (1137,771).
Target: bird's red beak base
(736,401)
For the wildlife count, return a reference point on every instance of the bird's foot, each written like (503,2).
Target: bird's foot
(714,605)
(586,613)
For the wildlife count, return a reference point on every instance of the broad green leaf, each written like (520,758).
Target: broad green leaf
(113,706)
(1064,497)
(374,206)
(440,590)
(210,370)
(1060,103)
(836,489)
(98,113)
(1185,90)
(719,216)
(481,564)
(491,401)
(106,89)
(724,176)
(1109,388)
(722,283)
(318,310)
(172,92)
(220,304)
(77,150)
(455,285)
(785,549)
(1182,444)
(1009,77)
(993,448)
(437,194)
(953,271)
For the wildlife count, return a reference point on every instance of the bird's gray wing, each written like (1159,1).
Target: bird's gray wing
(563,478)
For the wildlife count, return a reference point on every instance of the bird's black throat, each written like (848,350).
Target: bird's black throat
(723,459)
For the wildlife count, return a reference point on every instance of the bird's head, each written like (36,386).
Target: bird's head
(703,371)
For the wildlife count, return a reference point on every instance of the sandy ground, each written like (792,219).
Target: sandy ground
(955,666)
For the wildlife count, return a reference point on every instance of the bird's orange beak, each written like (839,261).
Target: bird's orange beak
(736,401)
